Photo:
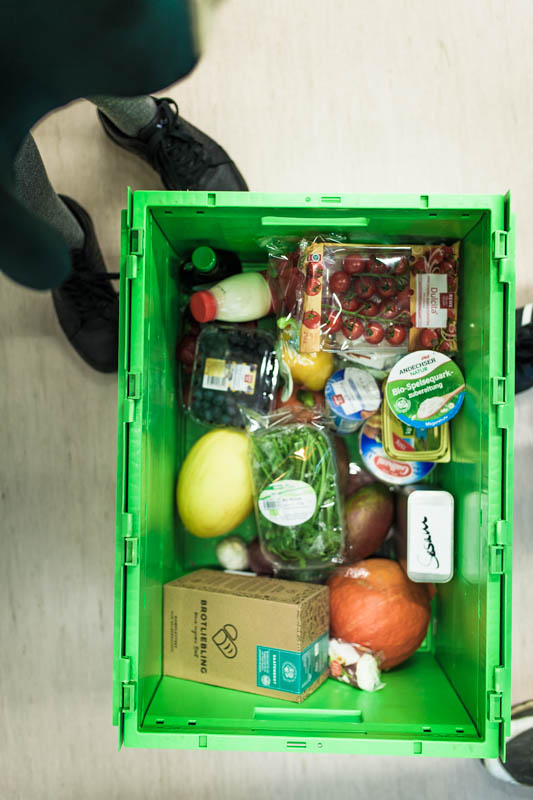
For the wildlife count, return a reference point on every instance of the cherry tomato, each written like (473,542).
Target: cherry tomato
(291,286)
(401,267)
(364,287)
(332,322)
(429,338)
(403,299)
(386,287)
(354,264)
(451,314)
(312,286)
(396,335)
(413,321)
(376,266)
(446,267)
(369,309)
(350,303)
(374,333)
(352,328)
(186,349)
(444,347)
(452,330)
(404,318)
(389,310)
(311,319)
(339,282)
(419,265)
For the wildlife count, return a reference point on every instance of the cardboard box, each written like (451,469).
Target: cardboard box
(255,634)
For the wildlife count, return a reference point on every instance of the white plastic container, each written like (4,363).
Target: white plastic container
(240,298)
(430,534)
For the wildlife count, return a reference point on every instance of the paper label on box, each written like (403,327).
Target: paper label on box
(288,671)
(432,300)
(224,376)
(287,502)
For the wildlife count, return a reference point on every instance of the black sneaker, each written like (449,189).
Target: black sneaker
(184,157)
(524,348)
(86,303)
(518,768)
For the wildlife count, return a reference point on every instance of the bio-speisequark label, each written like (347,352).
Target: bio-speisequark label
(425,389)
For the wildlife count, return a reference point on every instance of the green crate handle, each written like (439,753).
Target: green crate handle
(314,222)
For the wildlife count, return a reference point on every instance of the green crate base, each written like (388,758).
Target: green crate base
(453,697)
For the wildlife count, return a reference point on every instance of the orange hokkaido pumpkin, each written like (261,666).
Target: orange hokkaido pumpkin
(373,603)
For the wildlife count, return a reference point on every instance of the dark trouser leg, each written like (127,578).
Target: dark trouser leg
(35,191)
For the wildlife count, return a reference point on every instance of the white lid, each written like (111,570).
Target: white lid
(430,532)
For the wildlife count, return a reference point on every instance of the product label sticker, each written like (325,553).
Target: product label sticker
(216,375)
(243,377)
(425,389)
(432,300)
(289,671)
(287,502)
(223,376)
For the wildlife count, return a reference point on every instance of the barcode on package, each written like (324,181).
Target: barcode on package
(210,382)
(216,375)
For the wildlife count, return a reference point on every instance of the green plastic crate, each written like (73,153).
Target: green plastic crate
(452,698)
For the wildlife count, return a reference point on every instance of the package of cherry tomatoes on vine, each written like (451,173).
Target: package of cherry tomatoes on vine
(356,298)
(369,300)
(433,285)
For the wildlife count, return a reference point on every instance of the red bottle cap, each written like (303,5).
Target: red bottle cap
(203,306)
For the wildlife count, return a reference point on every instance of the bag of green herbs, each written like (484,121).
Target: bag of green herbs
(297,502)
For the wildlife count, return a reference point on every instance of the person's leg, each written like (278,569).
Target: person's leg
(524,348)
(86,303)
(129,114)
(35,191)
(184,157)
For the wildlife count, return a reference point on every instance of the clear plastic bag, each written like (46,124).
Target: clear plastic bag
(234,366)
(356,299)
(371,303)
(296,492)
(355,665)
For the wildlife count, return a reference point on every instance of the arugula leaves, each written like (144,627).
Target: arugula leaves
(301,453)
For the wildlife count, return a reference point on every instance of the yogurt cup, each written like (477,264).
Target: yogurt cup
(425,389)
(352,396)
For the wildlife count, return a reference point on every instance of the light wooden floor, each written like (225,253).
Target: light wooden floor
(382,96)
